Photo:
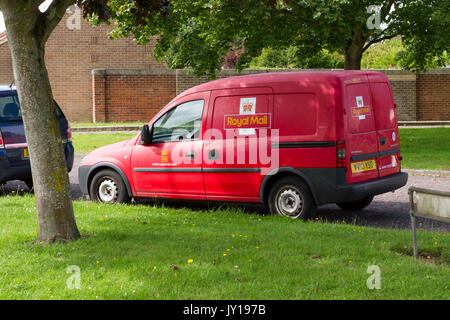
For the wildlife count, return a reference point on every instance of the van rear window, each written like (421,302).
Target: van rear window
(383,103)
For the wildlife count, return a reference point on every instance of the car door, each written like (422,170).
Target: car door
(237,144)
(171,166)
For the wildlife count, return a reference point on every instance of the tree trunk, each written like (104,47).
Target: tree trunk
(56,219)
(354,51)
(352,62)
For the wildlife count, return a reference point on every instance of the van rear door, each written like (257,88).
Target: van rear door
(361,133)
(387,128)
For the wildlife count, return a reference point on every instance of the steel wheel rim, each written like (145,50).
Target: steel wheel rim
(108,190)
(289,202)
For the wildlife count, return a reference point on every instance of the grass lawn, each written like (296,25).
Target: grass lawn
(87,142)
(101,124)
(427,148)
(147,252)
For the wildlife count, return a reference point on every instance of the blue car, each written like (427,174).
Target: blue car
(14,156)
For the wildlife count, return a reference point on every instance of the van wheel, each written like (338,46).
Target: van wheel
(107,186)
(290,197)
(355,205)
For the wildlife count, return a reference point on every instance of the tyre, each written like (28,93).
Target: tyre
(355,205)
(107,186)
(290,197)
(30,185)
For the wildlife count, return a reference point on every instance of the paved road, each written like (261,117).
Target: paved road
(389,210)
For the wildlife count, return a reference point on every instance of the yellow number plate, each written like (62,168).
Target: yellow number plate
(363,166)
(25,153)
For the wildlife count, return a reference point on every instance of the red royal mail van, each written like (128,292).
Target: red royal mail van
(291,141)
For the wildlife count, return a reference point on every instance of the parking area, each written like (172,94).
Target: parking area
(389,210)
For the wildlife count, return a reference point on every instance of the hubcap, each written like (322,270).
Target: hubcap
(289,202)
(108,191)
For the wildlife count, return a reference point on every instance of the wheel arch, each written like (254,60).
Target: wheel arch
(278,174)
(107,165)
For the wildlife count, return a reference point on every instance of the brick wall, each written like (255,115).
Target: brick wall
(433,96)
(132,95)
(72,52)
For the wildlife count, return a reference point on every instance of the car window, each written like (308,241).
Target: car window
(182,122)
(9,108)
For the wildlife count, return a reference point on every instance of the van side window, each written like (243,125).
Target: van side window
(182,122)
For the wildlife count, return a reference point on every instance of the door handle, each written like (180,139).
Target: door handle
(191,155)
(383,141)
(213,155)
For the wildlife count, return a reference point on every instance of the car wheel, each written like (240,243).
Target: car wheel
(107,186)
(290,197)
(355,205)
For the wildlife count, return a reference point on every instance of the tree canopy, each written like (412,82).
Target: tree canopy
(199,34)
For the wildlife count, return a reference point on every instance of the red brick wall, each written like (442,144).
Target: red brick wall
(433,96)
(130,95)
(71,54)
(133,95)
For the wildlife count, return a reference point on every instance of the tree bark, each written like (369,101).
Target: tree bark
(354,51)
(27,34)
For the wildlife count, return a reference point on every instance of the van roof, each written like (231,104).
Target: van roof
(275,79)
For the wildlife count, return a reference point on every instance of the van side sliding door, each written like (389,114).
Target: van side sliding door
(237,144)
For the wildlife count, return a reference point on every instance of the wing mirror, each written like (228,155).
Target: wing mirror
(146,134)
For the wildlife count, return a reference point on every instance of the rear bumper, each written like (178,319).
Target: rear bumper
(329,185)
(357,191)
(11,171)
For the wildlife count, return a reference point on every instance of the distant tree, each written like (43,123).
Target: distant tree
(383,55)
(199,34)
(289,58)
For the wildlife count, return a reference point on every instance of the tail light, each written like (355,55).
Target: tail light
(340,154)
(69,133)
(2,144)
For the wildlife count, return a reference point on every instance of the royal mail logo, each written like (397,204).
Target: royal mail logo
(361,111)
(247,108)
(243,121)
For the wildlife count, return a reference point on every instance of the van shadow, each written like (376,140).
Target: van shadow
(204,205)
(379,214)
